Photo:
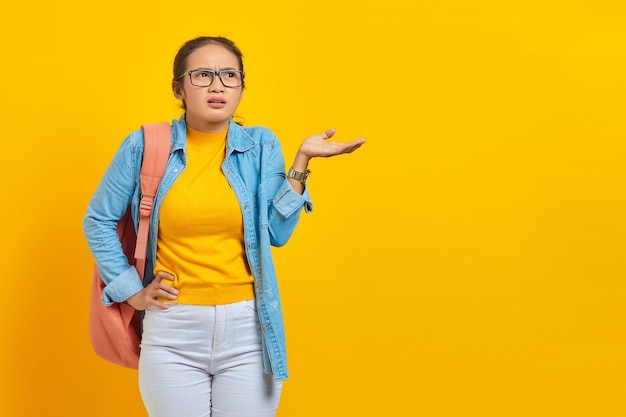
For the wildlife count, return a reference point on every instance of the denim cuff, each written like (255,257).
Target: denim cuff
(121,288)
(288,202)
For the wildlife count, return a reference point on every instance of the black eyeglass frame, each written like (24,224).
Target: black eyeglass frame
(218,73)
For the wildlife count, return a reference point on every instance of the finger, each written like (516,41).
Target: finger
(344,148)
(163,275)
(353,146)
(162,306)
(329,133)
(357,142)
(166,295)
(168,290)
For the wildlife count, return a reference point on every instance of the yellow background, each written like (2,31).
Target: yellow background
(467,261)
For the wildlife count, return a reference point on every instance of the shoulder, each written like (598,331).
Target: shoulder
(134,141)
(258,134)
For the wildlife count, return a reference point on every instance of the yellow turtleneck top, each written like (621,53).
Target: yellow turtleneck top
(200,240)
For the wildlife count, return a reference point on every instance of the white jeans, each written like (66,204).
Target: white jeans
(205,361)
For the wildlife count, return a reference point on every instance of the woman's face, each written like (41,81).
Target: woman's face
(208,109)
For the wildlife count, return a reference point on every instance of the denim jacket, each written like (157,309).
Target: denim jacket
(255,168)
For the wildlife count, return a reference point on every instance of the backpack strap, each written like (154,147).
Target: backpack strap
(157,139)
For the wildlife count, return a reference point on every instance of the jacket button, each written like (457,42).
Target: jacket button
(265,326)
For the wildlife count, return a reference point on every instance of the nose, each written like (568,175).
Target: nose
(218,85)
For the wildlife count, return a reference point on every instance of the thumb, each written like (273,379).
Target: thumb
(329,133)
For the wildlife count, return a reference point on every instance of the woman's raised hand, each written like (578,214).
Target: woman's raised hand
(319,145)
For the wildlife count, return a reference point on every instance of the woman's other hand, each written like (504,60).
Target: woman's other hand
(156,289)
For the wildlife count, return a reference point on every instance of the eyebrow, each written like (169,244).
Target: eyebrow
(209,69)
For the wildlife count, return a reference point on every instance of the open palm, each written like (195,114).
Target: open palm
(319,145)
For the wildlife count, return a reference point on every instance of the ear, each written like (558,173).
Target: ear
(177,90)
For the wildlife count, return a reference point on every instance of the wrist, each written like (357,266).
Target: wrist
(300,176)
(301,162)
(130,301)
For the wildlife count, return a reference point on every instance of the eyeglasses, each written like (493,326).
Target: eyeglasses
(203,77)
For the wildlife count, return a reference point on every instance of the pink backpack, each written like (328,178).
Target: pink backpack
(115,330)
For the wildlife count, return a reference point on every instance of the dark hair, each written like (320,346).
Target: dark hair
(180,61)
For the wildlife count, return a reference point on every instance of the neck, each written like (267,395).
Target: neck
(208,127)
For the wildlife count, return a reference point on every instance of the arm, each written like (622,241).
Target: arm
(290,194)
(106,207)
(319,146)
(109,203)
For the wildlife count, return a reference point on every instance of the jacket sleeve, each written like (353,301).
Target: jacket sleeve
(107,206)
(285,204)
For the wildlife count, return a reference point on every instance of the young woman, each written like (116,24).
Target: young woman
(213,342)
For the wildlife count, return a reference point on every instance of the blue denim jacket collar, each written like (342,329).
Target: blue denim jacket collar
(238,139)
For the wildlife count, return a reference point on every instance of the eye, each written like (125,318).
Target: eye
(229,74)
(204,74)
